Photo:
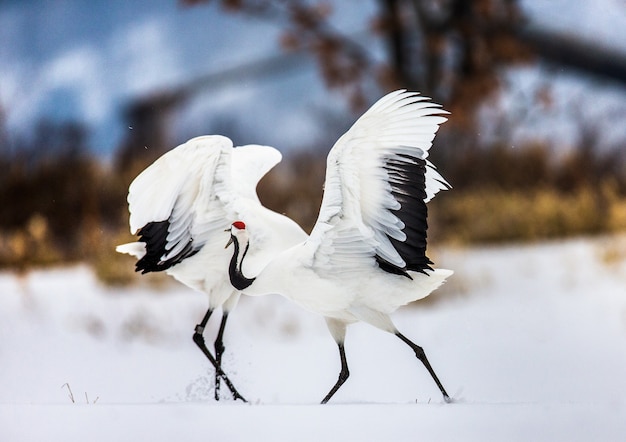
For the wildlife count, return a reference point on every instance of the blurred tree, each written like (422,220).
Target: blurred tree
(450,50)
(147,137)
(53,182)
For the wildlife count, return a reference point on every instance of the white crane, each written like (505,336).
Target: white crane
(366,255)
(180,206)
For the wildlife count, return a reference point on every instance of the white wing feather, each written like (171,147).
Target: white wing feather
(193,188)
(173,179)
(249,164)
(356,212)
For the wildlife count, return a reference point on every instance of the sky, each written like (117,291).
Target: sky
(75,60)
(602,21)
(69,59)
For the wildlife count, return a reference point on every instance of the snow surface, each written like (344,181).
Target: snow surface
(529,340)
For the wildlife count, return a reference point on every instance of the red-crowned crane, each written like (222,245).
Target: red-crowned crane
(180,206)
(366,255)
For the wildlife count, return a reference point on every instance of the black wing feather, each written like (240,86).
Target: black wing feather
(407,177)
(154,235)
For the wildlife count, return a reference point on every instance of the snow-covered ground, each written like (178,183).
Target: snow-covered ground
(530,341)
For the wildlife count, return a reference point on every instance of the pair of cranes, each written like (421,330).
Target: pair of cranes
(365,257)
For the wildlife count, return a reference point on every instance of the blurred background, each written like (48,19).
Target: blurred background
(93,92)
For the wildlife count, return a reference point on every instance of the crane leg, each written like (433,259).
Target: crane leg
(419,352)
(343,374)
(219,351)
(199,340)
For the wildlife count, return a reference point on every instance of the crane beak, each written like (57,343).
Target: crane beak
(230,241)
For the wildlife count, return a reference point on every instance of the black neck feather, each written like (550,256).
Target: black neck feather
(237,279)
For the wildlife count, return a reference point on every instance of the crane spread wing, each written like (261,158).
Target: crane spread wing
(378,180)
(249,164)
(189,194)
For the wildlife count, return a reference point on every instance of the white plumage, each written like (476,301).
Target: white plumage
(366,255)
(180,207)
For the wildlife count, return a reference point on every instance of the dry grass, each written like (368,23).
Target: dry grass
(473,217)
(492,216)
(500,195)
(116,269)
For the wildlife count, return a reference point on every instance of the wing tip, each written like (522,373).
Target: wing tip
(136,249)
(404,97)
(205,139)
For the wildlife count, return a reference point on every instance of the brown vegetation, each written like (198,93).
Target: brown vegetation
(58,203)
